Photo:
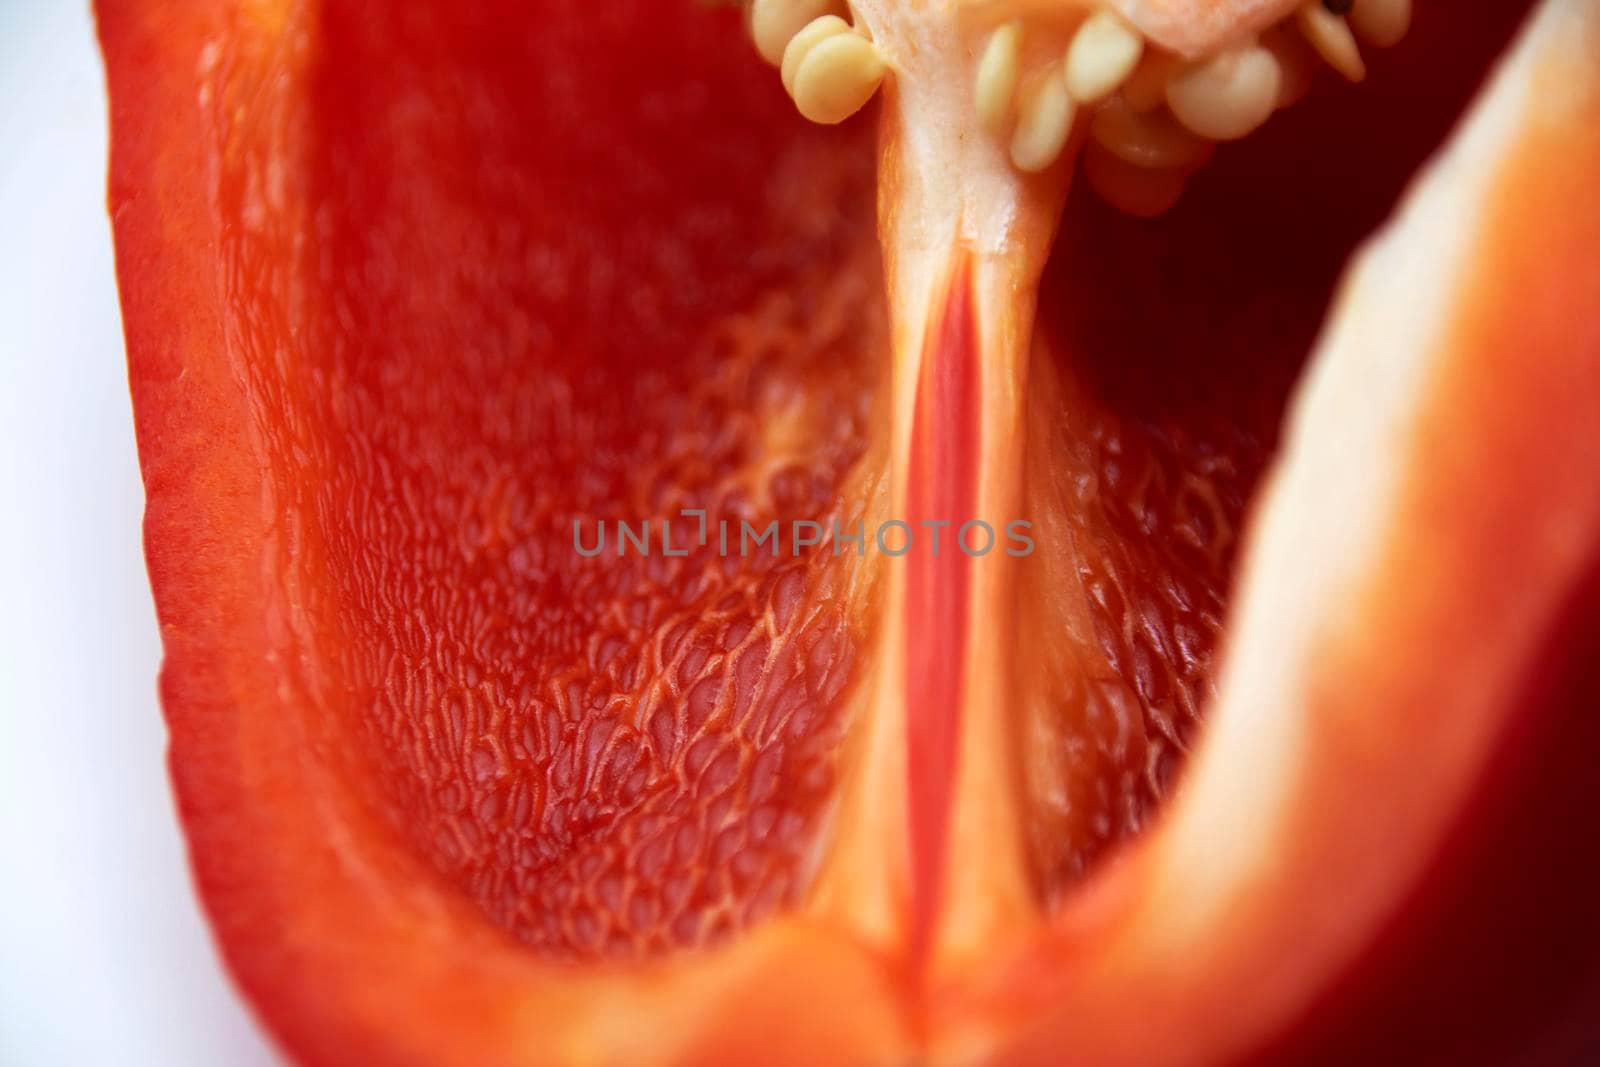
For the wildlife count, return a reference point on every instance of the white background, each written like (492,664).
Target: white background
(104,957)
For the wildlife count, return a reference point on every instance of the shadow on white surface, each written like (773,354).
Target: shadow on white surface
(104,957)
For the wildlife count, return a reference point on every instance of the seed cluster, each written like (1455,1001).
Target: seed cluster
(1152,116)
(829,67)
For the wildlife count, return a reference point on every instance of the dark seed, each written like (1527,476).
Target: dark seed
(1339,7)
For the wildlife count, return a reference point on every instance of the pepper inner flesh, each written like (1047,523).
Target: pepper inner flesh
(527,298)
